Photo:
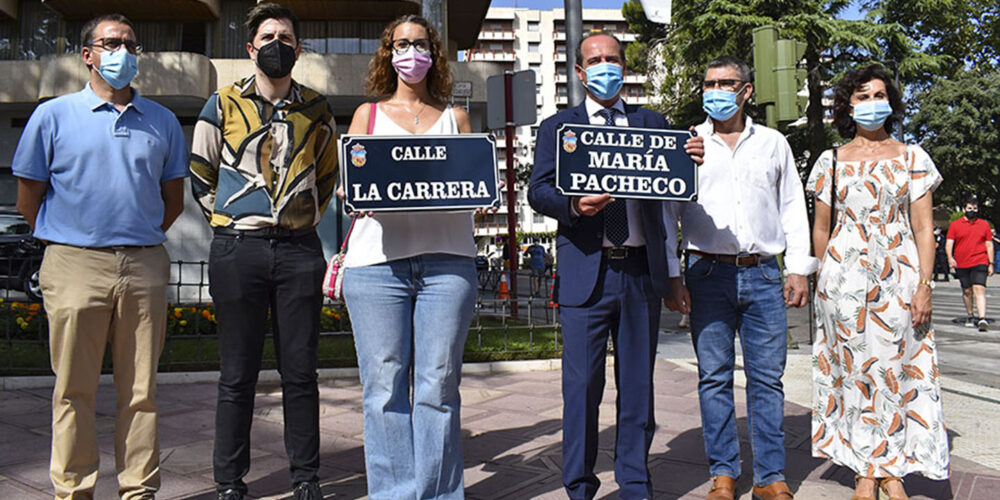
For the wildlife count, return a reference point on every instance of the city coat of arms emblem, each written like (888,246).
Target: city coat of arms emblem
(358,155)
(569,141)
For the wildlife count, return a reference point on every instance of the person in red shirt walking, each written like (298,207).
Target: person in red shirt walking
(970,253)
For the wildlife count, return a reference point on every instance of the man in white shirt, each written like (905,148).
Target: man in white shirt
(750,208)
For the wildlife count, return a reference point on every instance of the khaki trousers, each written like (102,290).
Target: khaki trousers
(93,297)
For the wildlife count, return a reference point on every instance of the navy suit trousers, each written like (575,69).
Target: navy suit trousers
(624,307)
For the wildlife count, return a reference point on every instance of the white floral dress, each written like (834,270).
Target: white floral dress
(876,394)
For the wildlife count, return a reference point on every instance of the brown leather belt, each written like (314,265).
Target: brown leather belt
(734,260)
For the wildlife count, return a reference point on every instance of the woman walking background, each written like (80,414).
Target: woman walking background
(410,286)
(876,397)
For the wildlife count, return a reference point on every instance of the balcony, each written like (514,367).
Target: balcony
(559,57)
(491,55)
(497,34)
(161,10)
(561,99)
(559,35)
(172,78)
(635,78)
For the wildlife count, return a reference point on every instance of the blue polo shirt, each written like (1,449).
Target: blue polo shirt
(103,167)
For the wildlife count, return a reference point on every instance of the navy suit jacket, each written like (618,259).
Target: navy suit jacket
(580,238)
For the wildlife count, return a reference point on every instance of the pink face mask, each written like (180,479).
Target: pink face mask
(412,65)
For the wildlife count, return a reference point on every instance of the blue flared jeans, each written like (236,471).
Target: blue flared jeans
(412,315)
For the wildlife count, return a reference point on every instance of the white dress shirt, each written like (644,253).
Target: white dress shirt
(636,236)
(750,200)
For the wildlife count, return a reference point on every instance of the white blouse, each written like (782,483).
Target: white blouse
(390,236)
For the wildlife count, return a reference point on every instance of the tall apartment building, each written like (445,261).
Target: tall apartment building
(523,39)
(193,47)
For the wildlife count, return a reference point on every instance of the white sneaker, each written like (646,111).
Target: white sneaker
(970,322)
(983,325)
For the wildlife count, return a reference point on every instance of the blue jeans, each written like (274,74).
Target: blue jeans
(412,315)
(725,300)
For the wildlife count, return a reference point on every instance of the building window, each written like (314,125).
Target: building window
(340,37)
(533,26)
(538,89)
(536,67)
(561,90)
(534,132)
(537,218)
(533,46)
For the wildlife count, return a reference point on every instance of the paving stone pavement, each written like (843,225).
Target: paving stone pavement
(511,429)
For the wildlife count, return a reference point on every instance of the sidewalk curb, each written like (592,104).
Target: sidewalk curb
(167,378)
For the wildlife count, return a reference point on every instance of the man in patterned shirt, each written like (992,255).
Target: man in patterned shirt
(263,169)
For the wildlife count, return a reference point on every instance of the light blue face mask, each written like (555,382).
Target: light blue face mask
(871,115)
(118,68)
(720,104)
(604,80)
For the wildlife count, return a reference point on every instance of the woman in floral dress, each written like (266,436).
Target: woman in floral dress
(876,397)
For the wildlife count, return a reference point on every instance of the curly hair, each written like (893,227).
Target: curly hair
(382,79)
(853,81)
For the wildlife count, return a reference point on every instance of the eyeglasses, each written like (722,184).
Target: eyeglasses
(401,45)
(730,85)
(112,44)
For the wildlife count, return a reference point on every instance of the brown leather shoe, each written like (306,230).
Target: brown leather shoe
(777,490)
(723,488)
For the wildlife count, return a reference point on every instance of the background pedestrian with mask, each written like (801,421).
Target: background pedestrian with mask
(101,179)
(264,167)
(970,254)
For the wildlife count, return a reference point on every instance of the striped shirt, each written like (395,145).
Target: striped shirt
(255,164)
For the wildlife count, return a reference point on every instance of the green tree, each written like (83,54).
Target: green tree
(952,34)
(958,124)
(705,29)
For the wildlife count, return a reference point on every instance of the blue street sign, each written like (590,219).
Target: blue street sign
(638,163)
(425,172)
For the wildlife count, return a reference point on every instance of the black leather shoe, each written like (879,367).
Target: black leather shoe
(307,490)
(231,494)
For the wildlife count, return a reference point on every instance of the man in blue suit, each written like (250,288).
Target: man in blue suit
(613,272)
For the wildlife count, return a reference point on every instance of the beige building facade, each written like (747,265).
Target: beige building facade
(193,47)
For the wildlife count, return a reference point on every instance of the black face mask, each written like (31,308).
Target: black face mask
(276,59)
(972,214)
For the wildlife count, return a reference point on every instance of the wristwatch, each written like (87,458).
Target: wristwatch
(930,284)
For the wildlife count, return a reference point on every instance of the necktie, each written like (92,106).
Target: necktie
(615,215)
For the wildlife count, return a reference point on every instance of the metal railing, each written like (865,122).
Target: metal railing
(192,344)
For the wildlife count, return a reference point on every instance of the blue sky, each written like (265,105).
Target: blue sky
(851,12)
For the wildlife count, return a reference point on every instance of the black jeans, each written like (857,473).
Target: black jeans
(248,277)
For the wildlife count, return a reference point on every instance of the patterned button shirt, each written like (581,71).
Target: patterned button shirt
(255,164)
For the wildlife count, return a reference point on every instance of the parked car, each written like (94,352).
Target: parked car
(20,256)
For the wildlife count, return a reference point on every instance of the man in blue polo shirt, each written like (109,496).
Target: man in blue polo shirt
(100,179)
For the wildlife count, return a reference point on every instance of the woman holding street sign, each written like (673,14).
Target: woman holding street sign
(876,395)
(410,285)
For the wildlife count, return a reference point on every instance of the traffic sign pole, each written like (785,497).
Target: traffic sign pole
(512,249)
